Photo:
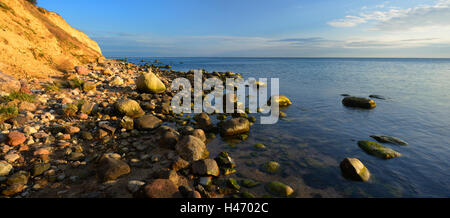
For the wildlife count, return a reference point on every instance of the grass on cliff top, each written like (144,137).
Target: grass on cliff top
(21,96)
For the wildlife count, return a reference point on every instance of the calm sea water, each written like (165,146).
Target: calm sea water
(319,132)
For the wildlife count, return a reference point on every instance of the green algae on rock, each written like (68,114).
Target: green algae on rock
(271,167)
(279,189)
(378,150)
(389,139)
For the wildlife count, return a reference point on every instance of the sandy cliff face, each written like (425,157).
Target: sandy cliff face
(37,43)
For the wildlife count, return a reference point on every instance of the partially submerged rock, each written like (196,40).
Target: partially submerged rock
(358,102)
(111,168)
(279,189)
(353,169)
(147,122)
(149,82)
(271,167)
(235,127)
(207,167)
(378,150)
(282,100)
(389,139)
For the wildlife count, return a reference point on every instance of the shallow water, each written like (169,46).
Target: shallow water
(319,132)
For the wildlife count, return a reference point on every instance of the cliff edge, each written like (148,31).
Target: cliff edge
(36,43)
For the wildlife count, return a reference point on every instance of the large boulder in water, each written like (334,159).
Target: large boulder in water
(358,102)
(235,127)
(149,82)
(353,169)
(129,108)
(389,139)
(192,148)
(378,150)
(8,83)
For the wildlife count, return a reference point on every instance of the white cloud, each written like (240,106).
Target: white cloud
(395,19)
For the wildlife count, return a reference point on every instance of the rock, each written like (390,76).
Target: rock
(199,133)
(160,188)
(192,148)
(260,146)
(72,130)
(235,127)
(279,189)
(203,121)
(8,83)
(27,106)
(127,123)
(282,100)
(111,168)
(18,121)
(179,164)
(148,122)
(353,169)
(39,169)
(5,168)
(16,138)
(87,135)
(207,167)
(225,162)
(104,125)
(129,108)
(117,81)
(232,183)
(271,167)
(171,175)
(377,97)
(16,183)
(108,72)
(248,183)
(88,86)
(76,156)
(169,137)
(81,70)
(389,139)
(88,108)
(364,103)
(135,185)
(205,181)
(378,150)
(29,130)
(149,82)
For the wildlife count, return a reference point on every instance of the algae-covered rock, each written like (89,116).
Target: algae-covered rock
(129,108)
(389,139)
(248,183)
(279,189)
(364,103)
(232,183)
(282,100)
(353,169)
(271,167)
(149,82)
(378,150)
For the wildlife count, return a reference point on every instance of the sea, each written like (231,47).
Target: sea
(319,132)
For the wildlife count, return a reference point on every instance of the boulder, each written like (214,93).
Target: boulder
(161,188)
(282,100)
(111,168)
(147,122)
(16,183)
(279,189)
(129,108)
(203,121)
(271,167)
(150,83)
(207,167)
(199,133)
(8,83)
(364,103)
(39,169)
(88,108)
(192,148)
(378,150)
(127,123)
(235,127)
(389,139)
(169,137)
(353,169)
(117,81)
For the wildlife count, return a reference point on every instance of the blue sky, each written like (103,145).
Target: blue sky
(262,28)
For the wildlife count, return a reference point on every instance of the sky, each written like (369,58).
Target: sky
(262,28)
